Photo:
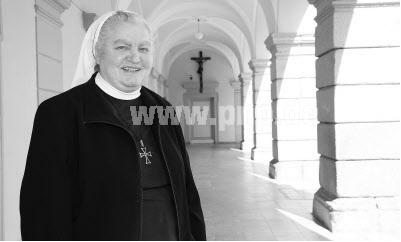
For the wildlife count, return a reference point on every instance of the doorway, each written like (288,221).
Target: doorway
(203,132)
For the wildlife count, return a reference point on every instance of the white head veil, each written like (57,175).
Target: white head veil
(86,61)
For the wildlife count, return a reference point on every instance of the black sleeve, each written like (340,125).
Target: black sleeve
(45,197)
(198,229)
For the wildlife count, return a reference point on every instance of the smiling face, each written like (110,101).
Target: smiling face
(124,56)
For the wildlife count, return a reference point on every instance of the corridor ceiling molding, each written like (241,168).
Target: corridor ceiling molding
(229,27)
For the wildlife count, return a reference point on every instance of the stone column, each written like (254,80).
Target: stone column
(357,45)
(247,105)
(236,85)
(262,149)
(49,47)
(294,109)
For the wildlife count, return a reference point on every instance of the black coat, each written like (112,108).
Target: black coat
(81,181)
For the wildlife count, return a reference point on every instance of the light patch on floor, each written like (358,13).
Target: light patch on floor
(240,201)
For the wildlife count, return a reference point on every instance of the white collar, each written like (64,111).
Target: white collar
(114,92)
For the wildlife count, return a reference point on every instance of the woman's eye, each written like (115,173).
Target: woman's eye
(122,47)
(144,49)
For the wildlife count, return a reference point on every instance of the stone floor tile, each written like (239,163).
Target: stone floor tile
(240,202)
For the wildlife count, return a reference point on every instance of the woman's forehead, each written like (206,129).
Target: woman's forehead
(128,41)
(130,32)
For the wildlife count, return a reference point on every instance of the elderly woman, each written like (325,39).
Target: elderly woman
(91,174)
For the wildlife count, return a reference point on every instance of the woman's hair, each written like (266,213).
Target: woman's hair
(111,23)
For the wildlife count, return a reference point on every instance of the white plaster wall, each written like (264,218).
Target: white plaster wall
(247,7)
(226,97)
(295,17)
(175,96)
(216,69)
(261,30)
(175,92)
(19,102)
(73,34)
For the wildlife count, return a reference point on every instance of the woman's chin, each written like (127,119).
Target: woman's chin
(132,84)
(131,81)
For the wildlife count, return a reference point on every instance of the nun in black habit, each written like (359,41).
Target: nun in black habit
(91,173)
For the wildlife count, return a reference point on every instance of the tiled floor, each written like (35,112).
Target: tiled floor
(240,202)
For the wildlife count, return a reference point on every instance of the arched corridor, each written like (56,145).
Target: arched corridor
(304,95)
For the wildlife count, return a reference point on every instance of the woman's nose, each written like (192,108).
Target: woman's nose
(134,56)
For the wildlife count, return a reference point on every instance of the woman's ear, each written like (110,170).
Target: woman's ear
(97,59)
(97,68)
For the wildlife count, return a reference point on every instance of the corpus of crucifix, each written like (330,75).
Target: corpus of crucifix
(200,60)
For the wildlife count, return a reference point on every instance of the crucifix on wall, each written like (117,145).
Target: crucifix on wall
(200,60)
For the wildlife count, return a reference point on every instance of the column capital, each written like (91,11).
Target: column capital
(245,78)
(326,7)
(283,42)
(52,9)
(235,84)
(345,24)
(259,65)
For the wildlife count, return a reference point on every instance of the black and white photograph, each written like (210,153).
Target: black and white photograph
(180,120)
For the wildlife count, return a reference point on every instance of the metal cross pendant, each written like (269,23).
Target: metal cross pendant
(145,154)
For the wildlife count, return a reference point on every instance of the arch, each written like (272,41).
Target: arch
(214,47)
(215,9)
(229,54)
(185,35)
(270,15)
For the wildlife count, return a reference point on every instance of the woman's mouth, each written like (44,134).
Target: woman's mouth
(130,69)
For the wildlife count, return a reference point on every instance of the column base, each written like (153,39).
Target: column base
(297,173)
(362,218)
(262,153)
(235,145)
(246,146)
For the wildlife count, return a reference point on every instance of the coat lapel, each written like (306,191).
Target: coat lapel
(96,107)
(98,110)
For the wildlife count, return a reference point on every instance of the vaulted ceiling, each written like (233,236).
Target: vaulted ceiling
(234,29)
